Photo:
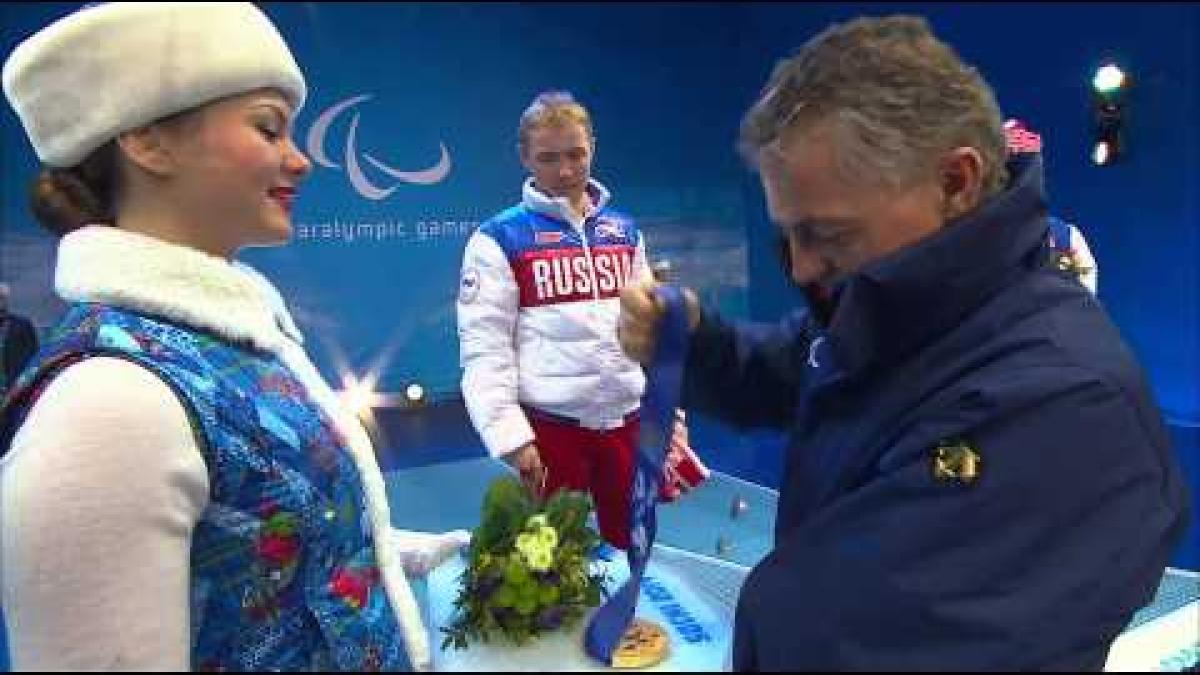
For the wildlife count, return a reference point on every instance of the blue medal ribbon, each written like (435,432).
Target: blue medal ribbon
(664,379)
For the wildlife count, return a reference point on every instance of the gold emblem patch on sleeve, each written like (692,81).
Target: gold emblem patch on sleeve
(956,460)
(644,644)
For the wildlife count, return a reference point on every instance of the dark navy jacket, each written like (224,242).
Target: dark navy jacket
(965,339)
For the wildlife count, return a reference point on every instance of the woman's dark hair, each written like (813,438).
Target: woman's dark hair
(65,199)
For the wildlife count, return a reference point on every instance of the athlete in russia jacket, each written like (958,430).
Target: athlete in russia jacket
(537,311)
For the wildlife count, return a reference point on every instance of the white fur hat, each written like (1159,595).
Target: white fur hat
(116,66)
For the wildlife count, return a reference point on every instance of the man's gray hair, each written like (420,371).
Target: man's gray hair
(893,97)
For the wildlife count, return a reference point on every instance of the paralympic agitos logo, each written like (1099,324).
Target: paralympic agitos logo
(351,162)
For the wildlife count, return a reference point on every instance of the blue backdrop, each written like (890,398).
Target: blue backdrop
(1139,216)
(411,123)
(412,119)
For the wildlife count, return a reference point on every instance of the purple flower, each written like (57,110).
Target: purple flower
(488,585)
(551,617)
(504,615)
(549,577)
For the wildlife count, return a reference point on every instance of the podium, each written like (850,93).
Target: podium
(707,542)
(684,593)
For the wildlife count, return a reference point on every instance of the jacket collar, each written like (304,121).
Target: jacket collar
(557,207)
(897,304)
(108,265)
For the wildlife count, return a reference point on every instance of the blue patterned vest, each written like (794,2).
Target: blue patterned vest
(284,574)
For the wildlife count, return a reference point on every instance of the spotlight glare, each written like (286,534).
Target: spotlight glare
(1110,99)
(415,393)
(1108,79)
(358,395)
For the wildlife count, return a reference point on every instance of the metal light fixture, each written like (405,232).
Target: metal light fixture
(1110,85)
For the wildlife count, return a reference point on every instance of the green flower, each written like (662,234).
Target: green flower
(536,522)
(540,561)
(548,538)
(537,546)
(527,543)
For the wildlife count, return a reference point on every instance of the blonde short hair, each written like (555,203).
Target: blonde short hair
(552,108)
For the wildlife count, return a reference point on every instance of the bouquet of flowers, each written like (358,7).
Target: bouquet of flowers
(529,569)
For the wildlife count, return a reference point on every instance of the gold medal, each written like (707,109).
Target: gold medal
(644,644)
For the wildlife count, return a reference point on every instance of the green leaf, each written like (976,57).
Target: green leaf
(516,573)
(506,506)
(505,597)
(526,605)
(282,524)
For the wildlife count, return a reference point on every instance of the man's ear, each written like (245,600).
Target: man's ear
(147,148)
(523,156)
(960,174)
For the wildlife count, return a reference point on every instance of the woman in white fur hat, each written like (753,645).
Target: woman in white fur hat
(179,488)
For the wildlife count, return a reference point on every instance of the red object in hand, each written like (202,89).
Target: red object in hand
(683,469)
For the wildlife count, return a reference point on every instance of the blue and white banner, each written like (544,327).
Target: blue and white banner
(411,126)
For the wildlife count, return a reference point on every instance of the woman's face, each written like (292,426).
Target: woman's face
(236,170)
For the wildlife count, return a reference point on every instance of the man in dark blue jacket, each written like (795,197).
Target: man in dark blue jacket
(977,475)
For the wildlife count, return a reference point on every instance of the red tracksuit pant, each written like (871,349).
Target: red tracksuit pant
(598,462)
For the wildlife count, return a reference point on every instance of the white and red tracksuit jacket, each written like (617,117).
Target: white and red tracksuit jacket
(537,317)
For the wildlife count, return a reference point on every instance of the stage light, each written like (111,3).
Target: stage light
(1110,86)
(1108,140)
(414,394)
(1109,78)
(358,395)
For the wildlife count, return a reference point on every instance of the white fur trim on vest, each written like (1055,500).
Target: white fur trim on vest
(283,318)
(79,82)
(104,264)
